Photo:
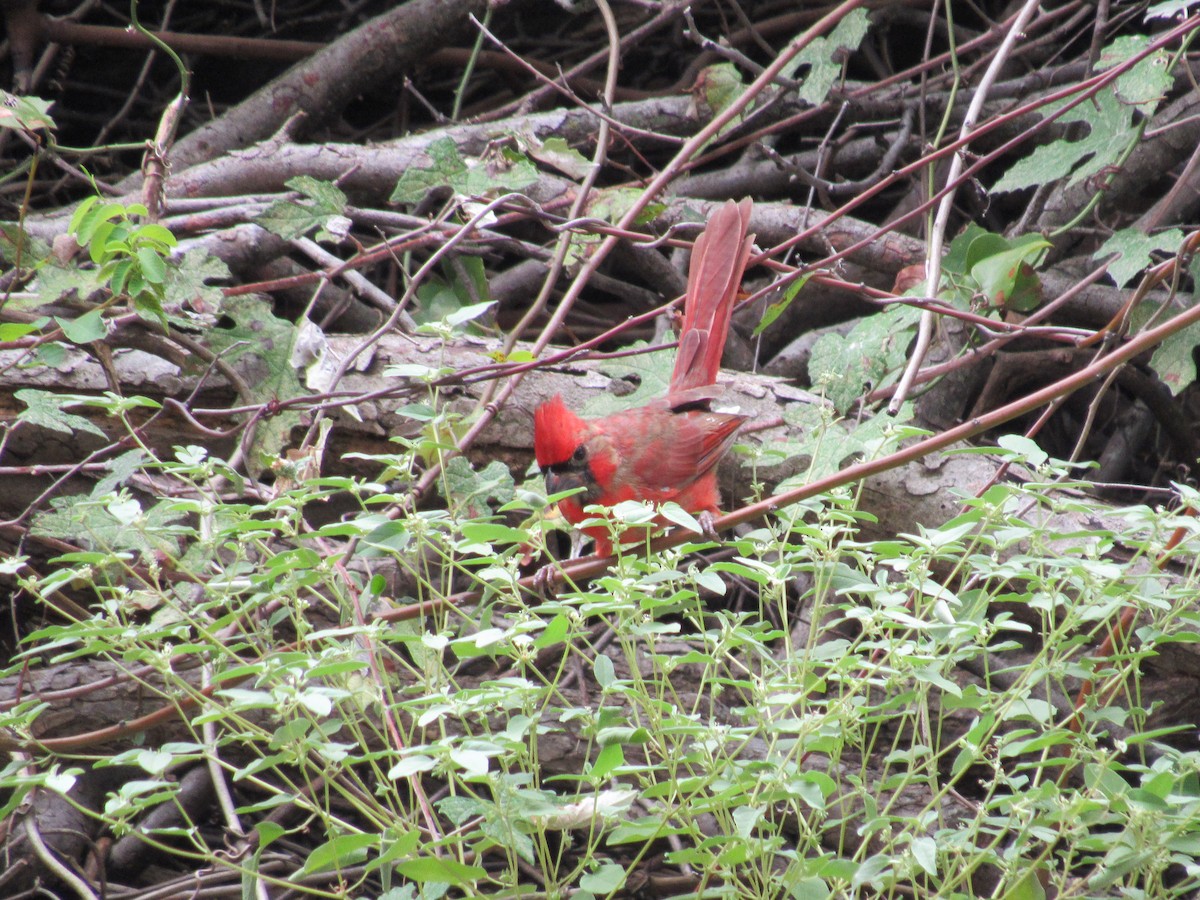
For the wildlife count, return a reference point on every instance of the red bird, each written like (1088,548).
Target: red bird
(667,450)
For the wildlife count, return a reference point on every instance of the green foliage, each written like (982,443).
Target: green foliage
(1114,119)
(16,245)
(124,262)
(1111,127)
(776,309)
(803,746)
(259,345)
(322,208)
(455,298)
(25,113)
(870,355)
(818,66)
(720,85)
(996,270)
(1174,359)
(824,56)
(498,173)
(980,268)
(648,374)
(558,154)
(612,203)
(131,258)
(47,410)
(1148,81)
(825,445)
(1135,250)
(809,713)
(189,285)
(1168,9)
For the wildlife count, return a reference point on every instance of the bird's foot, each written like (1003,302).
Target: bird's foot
(546,580)
(708,525)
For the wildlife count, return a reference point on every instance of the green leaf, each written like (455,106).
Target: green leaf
(776,309)
(416,182)
(497,173)
(46,410)
(412,764)
(17,244)
(651,372)
(87,328)
(809,889)
(25,113)
(154,235)
(52,355)
(448,305)
(924,850)
(1172,360)
(871,871)
(471,491)
(876,347)
(606,879)
(81,213)
(440,869)
(720,85)
(824,56)
(259,346)
(1148,81)
(396,844)
(558,154)
(746,819)
(98,219)
(14,331)
(602,668)
(1027,450)
(1028,886)
(321,202)
(1134,251)
(187,283)
(1006,278)
(469,313)
(612,203)
(268,833)
(1110,129)
(677,515)
(108,526)
(154,267)
(57,284)
(344,850)
(957,260)
(120,470)
(1169,9)
(62,782)
(104,241)
(608,759)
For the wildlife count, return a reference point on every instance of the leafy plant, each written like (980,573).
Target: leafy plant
(132,257)
(708,723)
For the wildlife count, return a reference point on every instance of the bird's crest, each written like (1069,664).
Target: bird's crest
(556,432)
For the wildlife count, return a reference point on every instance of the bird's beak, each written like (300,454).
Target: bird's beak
(560,482)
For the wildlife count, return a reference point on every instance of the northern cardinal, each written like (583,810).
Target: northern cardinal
(667,450)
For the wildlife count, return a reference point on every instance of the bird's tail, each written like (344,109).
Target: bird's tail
(718,261)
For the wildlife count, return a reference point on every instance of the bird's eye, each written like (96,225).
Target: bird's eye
(579,455)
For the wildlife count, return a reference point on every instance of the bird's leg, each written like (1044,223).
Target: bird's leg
(707,522)
(547,578)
